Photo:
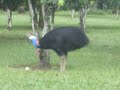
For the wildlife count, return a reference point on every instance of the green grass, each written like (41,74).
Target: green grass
(95,67)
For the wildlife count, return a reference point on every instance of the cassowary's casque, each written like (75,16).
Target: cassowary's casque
(62,40)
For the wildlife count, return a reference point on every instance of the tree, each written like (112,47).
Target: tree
(73,5)
(115,4)
(10,5)
(40,21)
(101,4)
(33,14)
(45,55)
(48,9)
(82,6)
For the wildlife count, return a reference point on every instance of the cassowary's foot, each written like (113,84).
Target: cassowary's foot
(63,63)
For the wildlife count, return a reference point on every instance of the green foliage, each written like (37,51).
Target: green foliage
(77,4)
(49,1)
(60,2)
(92,2)
(44,1)
(72,4)
(12,4)
(98,12)
(108,4)
(115,5)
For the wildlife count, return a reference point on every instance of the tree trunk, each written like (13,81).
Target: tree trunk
(73,13)
(44,59)
(83,13)
(52,15)
(9,19)
(40,23)
(51,22)
(45,54)
(33,14)
(117,14)
(45,13)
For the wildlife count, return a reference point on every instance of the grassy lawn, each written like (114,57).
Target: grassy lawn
(95,67)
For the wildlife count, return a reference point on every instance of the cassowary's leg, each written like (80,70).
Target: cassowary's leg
(63,63)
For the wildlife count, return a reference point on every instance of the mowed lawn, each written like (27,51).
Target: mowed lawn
(95,67)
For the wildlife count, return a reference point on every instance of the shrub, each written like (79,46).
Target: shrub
(98,12)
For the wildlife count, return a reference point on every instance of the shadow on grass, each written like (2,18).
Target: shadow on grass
(17,27)
(34,66)
(29,27)
(102,27)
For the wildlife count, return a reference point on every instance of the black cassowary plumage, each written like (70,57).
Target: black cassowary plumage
(64,39)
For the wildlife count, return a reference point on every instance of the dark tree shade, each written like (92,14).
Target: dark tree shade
(11,4)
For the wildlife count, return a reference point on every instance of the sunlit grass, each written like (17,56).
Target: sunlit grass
(95,67)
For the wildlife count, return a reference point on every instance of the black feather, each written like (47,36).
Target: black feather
(64,39)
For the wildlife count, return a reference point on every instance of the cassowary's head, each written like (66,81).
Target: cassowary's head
(35,41)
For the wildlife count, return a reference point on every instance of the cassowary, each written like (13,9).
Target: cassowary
(62,40)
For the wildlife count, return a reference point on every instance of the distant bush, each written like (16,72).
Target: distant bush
(62,13)
(21,9)
(1,11)
(91,11)
(98,12)
(66,13)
